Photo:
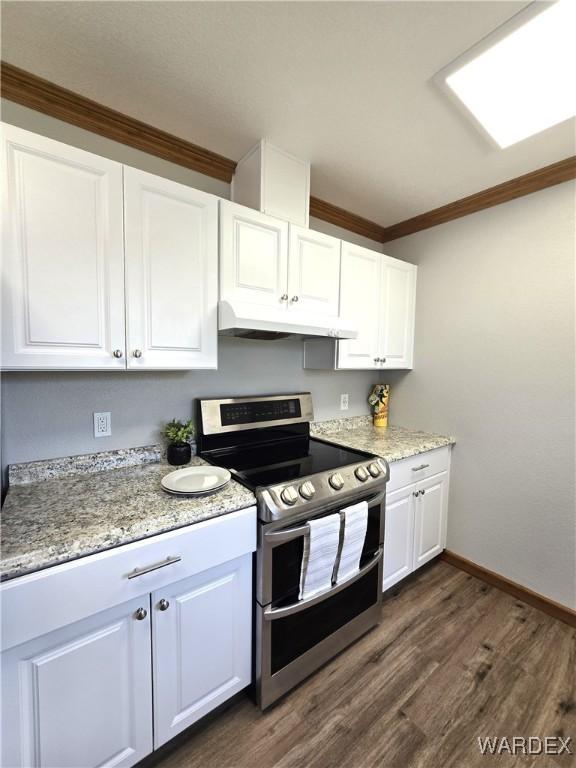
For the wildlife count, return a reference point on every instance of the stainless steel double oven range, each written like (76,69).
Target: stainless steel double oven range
(265,442)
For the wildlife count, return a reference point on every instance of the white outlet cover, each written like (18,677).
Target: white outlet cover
(103,424)
(343,402)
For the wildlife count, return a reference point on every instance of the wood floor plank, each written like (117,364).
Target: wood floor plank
(452,660)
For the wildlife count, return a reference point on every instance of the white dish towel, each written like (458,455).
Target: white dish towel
(320,550)
(355,525)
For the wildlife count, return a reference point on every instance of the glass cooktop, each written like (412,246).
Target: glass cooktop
(268,464)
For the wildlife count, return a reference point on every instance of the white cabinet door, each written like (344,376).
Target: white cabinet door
(202,644)
(171,273)
(430,518)
(314,275)
(360,302)
(80,696)
(398,298)
(253,259)
(63,271)
(398,535)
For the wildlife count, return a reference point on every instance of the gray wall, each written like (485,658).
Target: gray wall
(494,365)
(50,414)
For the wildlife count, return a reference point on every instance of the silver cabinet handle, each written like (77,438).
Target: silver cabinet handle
(149,568)
(141,614)
(284,297)
(137,353)
(382,359)
(163,605)
(416,494)
(422,466)
(294,298)
(422,493)
(117,353)
(376,359)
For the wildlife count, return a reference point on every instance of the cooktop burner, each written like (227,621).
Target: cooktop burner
(269,464)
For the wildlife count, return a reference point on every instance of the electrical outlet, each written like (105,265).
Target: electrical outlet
(343,402)
(103,424)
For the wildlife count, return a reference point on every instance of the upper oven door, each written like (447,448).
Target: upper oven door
(281,549)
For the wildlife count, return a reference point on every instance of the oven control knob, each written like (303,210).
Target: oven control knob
(361,474)
(289,495)
(336,481)
(374,469)
(307,490)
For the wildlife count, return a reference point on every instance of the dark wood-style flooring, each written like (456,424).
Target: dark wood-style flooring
(452,660)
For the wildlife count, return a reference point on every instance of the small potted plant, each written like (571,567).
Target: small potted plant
(178,434)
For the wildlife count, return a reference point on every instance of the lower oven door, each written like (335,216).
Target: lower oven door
(295,637)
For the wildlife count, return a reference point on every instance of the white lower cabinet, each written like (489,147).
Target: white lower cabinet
(107,657)
(430,518)
(416,513)
(398,536)
(201,627)
(82,695)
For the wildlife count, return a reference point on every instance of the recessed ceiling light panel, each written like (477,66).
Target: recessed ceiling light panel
(521,80)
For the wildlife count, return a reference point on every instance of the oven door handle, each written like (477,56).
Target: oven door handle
(270,614)
(281,537)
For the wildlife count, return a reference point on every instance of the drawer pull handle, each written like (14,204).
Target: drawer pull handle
(149,568)
(422,466)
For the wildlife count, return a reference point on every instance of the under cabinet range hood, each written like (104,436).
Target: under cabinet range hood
(241,320)
(278,278)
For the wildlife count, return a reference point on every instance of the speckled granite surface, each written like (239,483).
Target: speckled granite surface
(392,444)
(87,463)
(49,522)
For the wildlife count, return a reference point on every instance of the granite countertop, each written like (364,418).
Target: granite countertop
(62,509)
(392,443)
(71,515)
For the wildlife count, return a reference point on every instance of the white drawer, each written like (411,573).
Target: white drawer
(419,467)
(43,601)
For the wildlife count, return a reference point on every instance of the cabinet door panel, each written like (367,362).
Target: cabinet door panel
(314,275)
(171,269)
(82,695)
(202,645)
(397,316)
(398,536)
(253,257)
(360,301)
(430,517)
(63,298)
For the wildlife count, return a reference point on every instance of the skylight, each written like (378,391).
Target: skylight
(524,82)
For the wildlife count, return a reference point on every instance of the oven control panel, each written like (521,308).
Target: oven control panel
(294,497)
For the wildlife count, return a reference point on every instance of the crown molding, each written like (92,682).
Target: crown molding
(549,176)
(343,218)
(36,93)
(39,94)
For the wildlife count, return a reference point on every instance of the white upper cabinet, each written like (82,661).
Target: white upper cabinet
(398,297)
(379,292)
(171,273)
(67,245)
(253,259)
(314,274)
(360,299)
(63,271)
(377,295)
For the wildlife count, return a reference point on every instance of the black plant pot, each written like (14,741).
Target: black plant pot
(178,454)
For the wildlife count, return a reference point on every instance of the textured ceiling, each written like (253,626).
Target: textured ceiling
(345,84)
